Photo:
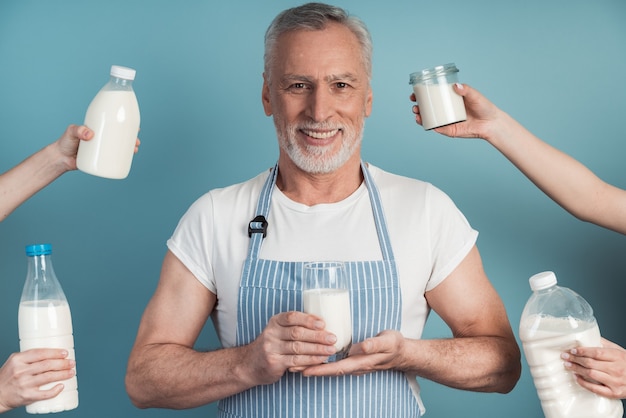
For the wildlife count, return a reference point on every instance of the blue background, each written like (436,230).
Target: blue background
(555,66)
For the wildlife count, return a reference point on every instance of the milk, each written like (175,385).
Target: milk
(48,324)
(333,306)
(561,396)
(439,104)
(113,115)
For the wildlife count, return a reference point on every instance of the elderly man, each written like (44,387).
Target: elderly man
(237,256)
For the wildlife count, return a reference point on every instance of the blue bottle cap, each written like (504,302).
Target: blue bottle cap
(38,249)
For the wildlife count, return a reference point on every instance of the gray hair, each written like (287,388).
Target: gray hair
(316,16)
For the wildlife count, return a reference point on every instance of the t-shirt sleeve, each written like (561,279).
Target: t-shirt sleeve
(452,237)
(190,241)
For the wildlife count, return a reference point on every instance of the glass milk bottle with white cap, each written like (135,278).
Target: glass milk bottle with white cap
(556,319)
(114,117)
(45,321)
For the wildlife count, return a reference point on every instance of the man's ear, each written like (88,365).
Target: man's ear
(265,96)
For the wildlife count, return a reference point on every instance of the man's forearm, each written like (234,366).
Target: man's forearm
(481,364)
(177,377)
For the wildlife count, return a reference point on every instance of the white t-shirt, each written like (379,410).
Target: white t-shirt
(429,237)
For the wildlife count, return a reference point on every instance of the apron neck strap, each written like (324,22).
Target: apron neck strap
(257,228)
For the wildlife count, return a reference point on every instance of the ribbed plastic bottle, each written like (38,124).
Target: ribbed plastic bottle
(45,321)
(556,319)
(113,115)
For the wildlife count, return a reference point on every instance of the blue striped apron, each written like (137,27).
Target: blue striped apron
(269,287)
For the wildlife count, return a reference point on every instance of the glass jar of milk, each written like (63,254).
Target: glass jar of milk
(439,104)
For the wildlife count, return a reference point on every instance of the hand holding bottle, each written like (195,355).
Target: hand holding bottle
(23,373)
(483,119)
(601,370)
(45,321)
(67,144)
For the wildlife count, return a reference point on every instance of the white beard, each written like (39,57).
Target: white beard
(318,159)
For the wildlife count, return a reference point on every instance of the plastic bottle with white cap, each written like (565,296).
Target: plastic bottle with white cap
(556,319)
(114,117)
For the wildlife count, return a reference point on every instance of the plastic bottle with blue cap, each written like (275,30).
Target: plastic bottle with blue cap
(45,321)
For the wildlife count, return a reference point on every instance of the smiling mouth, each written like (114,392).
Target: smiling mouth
(321,134)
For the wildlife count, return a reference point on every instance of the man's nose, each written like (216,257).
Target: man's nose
(320,105)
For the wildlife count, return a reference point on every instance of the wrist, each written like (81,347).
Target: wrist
(59,161)
(500,129)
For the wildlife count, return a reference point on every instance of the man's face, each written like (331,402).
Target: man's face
(318,92)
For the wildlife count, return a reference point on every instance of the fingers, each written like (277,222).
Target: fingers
(295,318)
(583,355)
(34,375)
(40,395)
(80,132)
(44,364)
(382,352)
(461,89)
(304,334)
(600,370)
(85,133)
(39,354)
(290,341)
(603,385)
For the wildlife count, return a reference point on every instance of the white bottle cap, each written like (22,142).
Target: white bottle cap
(123,72)
(542,280)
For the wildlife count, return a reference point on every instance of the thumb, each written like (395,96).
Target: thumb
(462,89)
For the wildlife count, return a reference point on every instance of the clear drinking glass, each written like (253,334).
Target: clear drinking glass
(326,294)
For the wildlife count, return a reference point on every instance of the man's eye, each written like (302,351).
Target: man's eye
(341,85)
(297,88)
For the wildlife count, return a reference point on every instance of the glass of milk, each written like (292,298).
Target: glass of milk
(326,294)
(438,102)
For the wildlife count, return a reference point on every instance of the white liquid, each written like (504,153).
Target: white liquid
(561,396)
(49,325)
(333,306)
(439,105)
(114,118)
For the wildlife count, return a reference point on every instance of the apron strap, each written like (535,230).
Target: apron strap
(257,228)
(379,215)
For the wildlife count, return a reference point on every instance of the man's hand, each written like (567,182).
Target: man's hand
(382,352)
(291,341)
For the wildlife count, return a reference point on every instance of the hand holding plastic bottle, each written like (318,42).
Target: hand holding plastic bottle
(23,373)
(600,370)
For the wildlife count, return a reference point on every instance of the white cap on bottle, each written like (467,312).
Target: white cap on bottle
(542,280)
(123,72)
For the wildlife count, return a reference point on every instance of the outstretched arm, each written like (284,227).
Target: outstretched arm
(564,179)
(40,169)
